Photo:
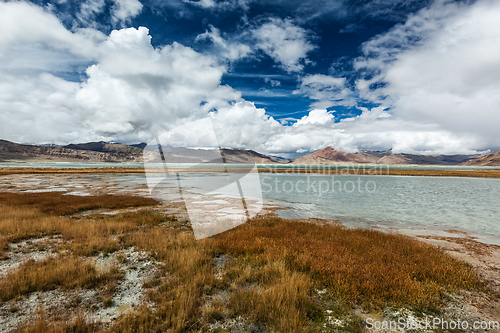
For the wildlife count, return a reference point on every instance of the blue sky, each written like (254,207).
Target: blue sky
(280,77)
(336,28)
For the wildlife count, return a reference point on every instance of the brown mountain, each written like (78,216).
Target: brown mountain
(14,152)
(245,156)
(120,153)
(486,160)
(234,156)
(414,159)
(106,147)
(329,155)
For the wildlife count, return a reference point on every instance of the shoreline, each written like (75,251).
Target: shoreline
(70,183)
(344,170)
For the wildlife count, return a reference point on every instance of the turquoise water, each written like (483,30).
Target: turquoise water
(449,202)
(470,204)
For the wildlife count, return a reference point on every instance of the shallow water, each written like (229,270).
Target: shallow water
(469,204)
(454,202)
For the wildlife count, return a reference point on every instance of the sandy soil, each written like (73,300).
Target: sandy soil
(486,259)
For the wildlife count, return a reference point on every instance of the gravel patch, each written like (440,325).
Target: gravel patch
(128,294)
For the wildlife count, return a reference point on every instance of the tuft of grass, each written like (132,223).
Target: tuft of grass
(42,325)
(4,247)
(107,302)
(285,305)
(215,312)
(74,302)
(66,273)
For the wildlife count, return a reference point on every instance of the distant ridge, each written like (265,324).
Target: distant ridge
(15,152)
(329,155)
(120,153)
(487,160)
(105,147)
(185,155)
(141,145)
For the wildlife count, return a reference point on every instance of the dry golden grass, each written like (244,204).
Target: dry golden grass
(357,266)
(52,273)
(279,265)
(284,304)
(272,278)
(29,171)
(188,277)
(18,223)
(31,215)
(42,325)
(56,203)
(104,233)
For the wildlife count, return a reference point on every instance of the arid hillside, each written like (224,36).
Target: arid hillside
(120,153)
(330,155)
(10,151)
(487,160)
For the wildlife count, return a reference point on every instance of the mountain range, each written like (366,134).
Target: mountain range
(329,155)
(94,152)
(486,160)
(91,152)
(120,153)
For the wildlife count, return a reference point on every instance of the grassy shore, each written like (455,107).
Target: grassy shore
(29,171)
(351,170)
(270,274)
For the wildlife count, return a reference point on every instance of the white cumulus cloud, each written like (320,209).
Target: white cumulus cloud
(285,42)
(88,10)
(124,10)
(231,50)
(131,92)
(326,90)
(220,5)
(442,67)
